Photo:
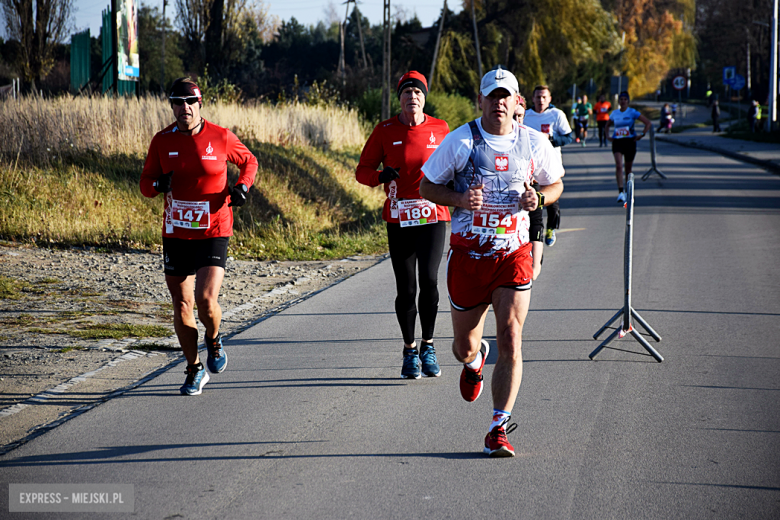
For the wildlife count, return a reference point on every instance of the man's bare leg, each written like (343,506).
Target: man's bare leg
(467,327)
(511,308)
(183,296)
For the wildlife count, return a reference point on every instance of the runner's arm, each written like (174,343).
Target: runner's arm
(647,123)
(562,140)
(240,155)
(152,170)
(370,158)
(442,195)
(552,192)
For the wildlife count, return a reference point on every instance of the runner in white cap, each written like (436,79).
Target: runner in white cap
(485,169)
(549,120)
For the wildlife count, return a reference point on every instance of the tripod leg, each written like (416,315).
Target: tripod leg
(604,343)
(644,324)
(641,340)
(607,324)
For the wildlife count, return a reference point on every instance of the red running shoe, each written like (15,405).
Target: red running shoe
(496,444)
(471,380)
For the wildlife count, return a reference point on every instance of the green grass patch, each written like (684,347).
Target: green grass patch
(38,330)
(49,280)
(307,206)
(11,289)
(120,331)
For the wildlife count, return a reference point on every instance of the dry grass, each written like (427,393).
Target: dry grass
(39,130)
(71,167)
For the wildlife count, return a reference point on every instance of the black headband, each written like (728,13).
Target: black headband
(412,82)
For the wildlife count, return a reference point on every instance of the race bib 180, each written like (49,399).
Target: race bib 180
(416,212)
(498,220)
(190,215)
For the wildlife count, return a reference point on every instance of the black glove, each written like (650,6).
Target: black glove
(238,195)
(388,174)
(163,182)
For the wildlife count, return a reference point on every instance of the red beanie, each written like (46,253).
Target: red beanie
(413,79)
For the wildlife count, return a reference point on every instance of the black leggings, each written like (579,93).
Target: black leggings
(554,215)
(423,245)
(602,134)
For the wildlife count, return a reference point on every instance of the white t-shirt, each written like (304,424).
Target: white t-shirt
(453,153)
(503,183)
(552,121)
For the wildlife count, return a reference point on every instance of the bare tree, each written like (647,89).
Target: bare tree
(37,25)
(211,29)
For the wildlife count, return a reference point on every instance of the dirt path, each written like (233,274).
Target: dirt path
(79,325)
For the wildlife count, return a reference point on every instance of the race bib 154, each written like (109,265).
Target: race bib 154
(499,220)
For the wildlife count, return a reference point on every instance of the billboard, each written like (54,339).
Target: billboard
(127,39)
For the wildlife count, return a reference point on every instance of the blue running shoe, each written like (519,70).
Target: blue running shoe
(549,237)
(217,359)
(196,380)
(430,366)
(411,366)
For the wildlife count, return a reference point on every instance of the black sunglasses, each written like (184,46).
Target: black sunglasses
(180,101)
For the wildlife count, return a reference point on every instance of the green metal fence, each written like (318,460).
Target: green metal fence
(79,60)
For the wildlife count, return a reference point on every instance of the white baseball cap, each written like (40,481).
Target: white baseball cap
(499,78)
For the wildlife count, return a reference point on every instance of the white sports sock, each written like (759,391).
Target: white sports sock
(474,365)
(500,417)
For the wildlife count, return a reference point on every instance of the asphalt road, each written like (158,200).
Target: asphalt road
(311,420)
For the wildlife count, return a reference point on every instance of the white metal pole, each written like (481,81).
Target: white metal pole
(772,116)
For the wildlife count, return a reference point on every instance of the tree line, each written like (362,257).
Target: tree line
(555,42)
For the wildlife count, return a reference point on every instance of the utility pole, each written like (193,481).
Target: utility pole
(386,61)
(772,116)
(342,67)
(436,49)
(162,58)
(360,31)
(747,34)
(476,40)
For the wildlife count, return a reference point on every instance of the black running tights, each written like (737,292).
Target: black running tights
(409,247)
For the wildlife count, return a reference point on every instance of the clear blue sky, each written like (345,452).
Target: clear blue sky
(307,12)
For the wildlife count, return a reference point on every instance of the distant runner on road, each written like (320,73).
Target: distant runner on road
(624,139)
(187,163)
(485,169)
(416,228)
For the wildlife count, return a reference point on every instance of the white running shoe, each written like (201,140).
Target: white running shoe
(622,198)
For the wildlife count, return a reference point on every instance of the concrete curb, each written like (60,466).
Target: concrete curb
(767,165)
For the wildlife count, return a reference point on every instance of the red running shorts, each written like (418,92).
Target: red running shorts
(471,282)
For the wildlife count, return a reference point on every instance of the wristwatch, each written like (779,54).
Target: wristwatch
(540,196)
(243,188)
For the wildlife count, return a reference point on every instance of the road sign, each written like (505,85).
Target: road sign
(679,82)
(728,75)
(738,83)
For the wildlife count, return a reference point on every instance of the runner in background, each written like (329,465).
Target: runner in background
(576,120)
(624,139)
(485,169)
(187,163)
(602,109)
(584,111)
(536,217)
(549,120)
(416,228)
